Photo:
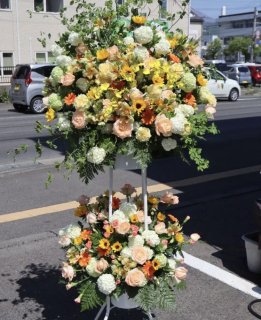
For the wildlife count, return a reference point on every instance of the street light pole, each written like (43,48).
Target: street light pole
(254,35)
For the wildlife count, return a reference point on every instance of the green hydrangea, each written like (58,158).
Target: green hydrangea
(187,82)
(162,260)
(55,102)
(56,74)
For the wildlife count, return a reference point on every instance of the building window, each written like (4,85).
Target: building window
(163,9)
(6,63)
(120,1)
(5,4)
(48,5)
(44,57)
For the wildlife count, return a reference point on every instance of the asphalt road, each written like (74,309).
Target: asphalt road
(220,202)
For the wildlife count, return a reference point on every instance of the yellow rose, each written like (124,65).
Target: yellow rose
(50,115)
(139,19)
(102,54)
(143,134)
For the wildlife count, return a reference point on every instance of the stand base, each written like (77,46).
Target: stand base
(108,307)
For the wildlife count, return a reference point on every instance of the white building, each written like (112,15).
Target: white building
(19,31)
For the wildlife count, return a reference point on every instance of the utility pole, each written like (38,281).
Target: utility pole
(254,35)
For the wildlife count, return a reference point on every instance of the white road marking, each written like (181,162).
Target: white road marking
(222,275)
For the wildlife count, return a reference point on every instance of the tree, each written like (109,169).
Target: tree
(214,49)
(239,44)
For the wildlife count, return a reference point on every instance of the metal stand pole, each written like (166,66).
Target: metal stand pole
(110,191)
(145,196)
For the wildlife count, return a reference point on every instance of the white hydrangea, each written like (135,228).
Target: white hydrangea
(143,35)
(172,263)
(96,155)
(106,283)
(186,109)
(63,123)
(74,39)
(178,123)
(91,268)
(128,208)
(150,252)
(63,61)
(162,259)
(82,84)
(169,144)
(151,237)
(56,50)
(141,53)
(72,231)
(118,215)
(128,40)
(135,241)
(126,252)
(162,47)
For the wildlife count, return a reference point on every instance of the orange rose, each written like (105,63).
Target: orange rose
(139,254)
(68,79)
(163,125)
(122,128)
(123,228)
(135,278)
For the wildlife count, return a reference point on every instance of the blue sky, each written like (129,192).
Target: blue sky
(212,8)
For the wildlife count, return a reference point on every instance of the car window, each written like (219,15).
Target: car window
(243,69)
(21,72)
(231,69)
(44,71)
(215,75)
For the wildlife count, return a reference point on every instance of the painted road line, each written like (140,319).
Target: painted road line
(222,275)
(63,207)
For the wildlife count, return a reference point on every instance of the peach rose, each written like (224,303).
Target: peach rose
(195,60)
(139,254)
(163,125)
(67,271)
(101,265)
(167,94)
(81,48)
(113,52)
(210,110)
(160,228)
(135,278)
(135,94)
(122,128)
(181,273)
(123,228)
(169,198)
(140,215)
(91,218)
(67,79)
(194,237)
(79,119)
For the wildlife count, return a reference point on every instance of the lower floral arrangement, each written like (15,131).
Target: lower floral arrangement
(112,256)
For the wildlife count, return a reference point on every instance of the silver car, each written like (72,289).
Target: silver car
(27,83)
(240,73)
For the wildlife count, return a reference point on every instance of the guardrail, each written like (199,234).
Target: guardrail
(5,74)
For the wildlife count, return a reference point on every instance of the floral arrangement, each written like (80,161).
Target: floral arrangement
(130,86)
(118,255)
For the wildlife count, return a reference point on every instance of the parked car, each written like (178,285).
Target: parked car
(221,65)
(241,73)
(27,83)
(221,86)
(255,74)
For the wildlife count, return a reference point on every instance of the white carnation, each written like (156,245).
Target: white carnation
(128,208)
(186,109)
(82,84)
(172,263)
(141,53)
(63,61)
(74,39)
(135,241)
(118,215)
(151,237)
(126,252)
(106,283)
(150,252)
(63,123)
(143,35)
(162,47)
(128,40)
(56,50)
(96,155)
(91,268)
(169,144)
(162,259)
(72,231)
(178,123)
(64,241)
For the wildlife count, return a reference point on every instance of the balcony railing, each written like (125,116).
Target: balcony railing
(5,74)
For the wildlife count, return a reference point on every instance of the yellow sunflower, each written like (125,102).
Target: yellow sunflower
(127,73)
(104,243)
(139,105)
(116,247)
(155,264)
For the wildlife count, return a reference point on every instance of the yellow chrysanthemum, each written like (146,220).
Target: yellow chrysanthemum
(139,105)
(104,243)
(116,247)
(50,115)
(179,238)
(134,218)
(156,79)
(139,19)
(161,216)
(127,73)
(77,241)
(173,42)
(153,200)
(201,80)
(155,264)
(102,54)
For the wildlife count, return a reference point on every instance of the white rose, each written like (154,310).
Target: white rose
(169,144)
(74,39)
(96,155)
(128,208)
(143,35)
(91,218)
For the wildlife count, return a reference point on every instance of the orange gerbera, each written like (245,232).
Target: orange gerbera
(148,116)
(103,252)
(84,259)
(115,203)
(85,234)
(190,99)
(148,270)
(174,58)
(69,99)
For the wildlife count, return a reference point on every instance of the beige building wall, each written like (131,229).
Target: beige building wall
(19,32)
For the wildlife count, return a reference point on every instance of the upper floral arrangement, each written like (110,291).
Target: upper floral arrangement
(126,86)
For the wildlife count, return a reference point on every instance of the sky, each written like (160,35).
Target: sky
(212,8)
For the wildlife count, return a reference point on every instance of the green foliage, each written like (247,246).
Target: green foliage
(4,96)
(214,49)
(239,44)
(90,297)
(17,151)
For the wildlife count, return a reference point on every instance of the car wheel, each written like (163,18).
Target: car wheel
(19,107)
(233,95)
(37,105)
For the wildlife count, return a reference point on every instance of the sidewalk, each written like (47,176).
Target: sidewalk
(220,211)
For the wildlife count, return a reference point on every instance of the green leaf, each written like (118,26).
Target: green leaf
(90,296)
